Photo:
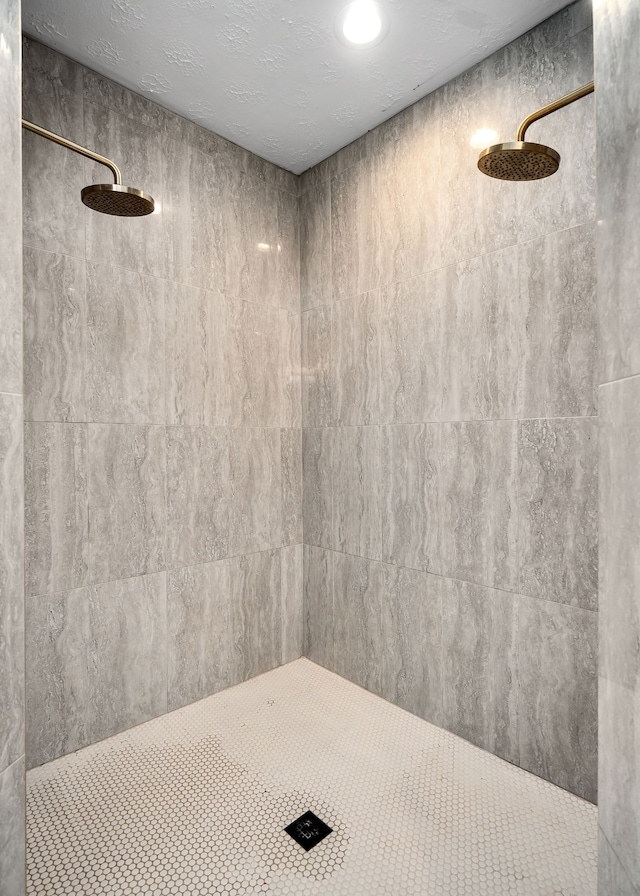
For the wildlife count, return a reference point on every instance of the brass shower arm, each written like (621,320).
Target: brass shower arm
(553,107)
(75,147)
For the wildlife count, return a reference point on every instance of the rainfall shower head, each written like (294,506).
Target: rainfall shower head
(527,161)
(519,161)
(115,199)
(110,199)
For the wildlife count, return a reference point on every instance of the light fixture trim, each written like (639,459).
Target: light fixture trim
(348,14)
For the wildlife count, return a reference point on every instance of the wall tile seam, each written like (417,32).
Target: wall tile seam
(474,421)
(624,379)
(621,863)
(208,426)
(11,766)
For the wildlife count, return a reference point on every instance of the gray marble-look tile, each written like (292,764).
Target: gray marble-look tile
(558,510)
(197,376)
(410,495)
(127,513)
(12,829)
(357,515)
(355,360)
(613,879)
(11,581)
(317,472)
(358,599)
(254,365)
(411,348)
(558,711)
(478,507)
(412,638)
(197,495)
(125,346)
(354,232)
(316,366)
(618,772)
(198,639)
(255,510)
(55,337)
(288,250)
(620,532)
(195,190)
(559,352)
(480,666)
(318,606)
(56,507)
(96,664)
(480,339)
(407,172)
(52,94)
(315,246)
(132,243)
(291,478)
(256,614)
(290,368)
(291,589)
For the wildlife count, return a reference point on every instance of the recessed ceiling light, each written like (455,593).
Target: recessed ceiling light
(362,24)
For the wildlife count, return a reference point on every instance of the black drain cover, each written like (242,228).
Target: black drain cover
(308,830)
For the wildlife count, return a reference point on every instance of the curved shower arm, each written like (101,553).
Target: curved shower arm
(553,107)
(75,147)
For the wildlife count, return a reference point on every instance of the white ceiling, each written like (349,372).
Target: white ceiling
(271,75)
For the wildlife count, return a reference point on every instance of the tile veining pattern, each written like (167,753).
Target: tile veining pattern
(450,378)
(163,443)
(197,801)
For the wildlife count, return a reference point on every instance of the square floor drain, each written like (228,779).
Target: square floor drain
(308,830)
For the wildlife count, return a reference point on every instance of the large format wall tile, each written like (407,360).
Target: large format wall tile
(255,473)
(197,494)
(252,257)
(618,772)
(316,366)
(125,346)
(410,496)
(290,373)
(96,664)
(354,226)
(355,360)
(291,481)
(480,339)
(612,877)
(132,243)
(292,584)
(558,510)
(356,505)
(56,507)
(317,467)
(318,636)
(197,375)
(254,364)
(478,514)
(198,634)
(559,356)
(12,829)
(55,337)
(287,291)
(11,581)
(620,533)
(410,351)
(127,515)
(315,246)
(52,91)
(557,714)
(256,614)
(480,666)
(358,597)
(412,641)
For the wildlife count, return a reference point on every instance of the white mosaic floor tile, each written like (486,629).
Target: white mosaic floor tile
(196,802)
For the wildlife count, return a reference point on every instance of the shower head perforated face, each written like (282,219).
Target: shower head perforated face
(519,161)
(115,199)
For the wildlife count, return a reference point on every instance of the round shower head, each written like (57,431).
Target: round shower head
(519,161)
(114,199)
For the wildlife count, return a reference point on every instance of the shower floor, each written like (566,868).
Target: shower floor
(196,802)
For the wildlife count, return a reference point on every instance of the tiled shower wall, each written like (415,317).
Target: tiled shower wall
(12,760)
(449,351)
(162,415)
(617,43)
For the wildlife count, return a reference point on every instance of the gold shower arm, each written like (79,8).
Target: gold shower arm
(553,107)
(75,147)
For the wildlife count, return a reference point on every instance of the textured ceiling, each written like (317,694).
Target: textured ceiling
(271,75)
